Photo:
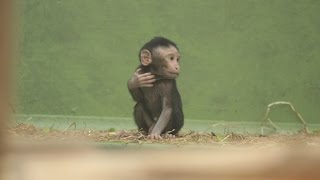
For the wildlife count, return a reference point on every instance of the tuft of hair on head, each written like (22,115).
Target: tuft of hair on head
(158,41)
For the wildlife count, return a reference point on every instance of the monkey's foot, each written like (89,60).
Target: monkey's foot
(169,136)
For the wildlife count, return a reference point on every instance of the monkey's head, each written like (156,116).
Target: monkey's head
(161,57)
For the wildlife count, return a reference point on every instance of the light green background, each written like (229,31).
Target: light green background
(237,56)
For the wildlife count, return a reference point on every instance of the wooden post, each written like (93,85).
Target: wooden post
(5,69)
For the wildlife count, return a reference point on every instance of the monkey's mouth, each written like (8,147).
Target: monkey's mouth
(173,74)
(167,75)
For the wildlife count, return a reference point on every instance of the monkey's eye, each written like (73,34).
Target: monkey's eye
(178,59)
(171,58)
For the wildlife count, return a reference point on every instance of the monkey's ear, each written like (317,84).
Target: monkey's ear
(145,57)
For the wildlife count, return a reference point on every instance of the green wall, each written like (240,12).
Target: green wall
(238,56)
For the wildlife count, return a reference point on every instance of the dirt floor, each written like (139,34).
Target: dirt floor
(185,138)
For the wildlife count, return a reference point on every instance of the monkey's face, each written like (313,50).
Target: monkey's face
(167,61)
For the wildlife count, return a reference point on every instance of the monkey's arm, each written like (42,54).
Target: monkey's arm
(163,120)
(137,81)
(135,92)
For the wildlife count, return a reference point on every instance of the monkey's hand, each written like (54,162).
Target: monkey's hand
(141,80)
(155,136)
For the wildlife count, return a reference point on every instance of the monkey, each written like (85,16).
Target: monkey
(158,109)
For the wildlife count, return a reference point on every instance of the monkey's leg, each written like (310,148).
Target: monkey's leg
(176,122)
(142,118)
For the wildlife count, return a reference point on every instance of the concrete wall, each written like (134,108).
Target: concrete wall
(238,56)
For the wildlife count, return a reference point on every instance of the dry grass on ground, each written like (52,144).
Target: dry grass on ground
(30,132)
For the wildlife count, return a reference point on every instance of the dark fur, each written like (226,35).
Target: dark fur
(149,100)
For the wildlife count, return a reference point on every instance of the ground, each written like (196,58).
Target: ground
(184,138)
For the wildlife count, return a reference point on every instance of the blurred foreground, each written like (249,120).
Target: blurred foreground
(37,154)
(30,161)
